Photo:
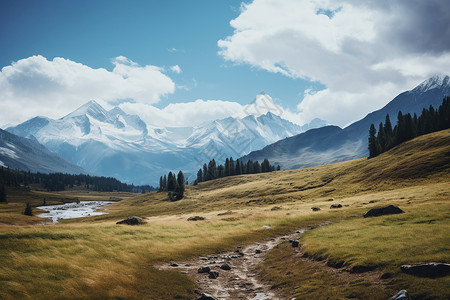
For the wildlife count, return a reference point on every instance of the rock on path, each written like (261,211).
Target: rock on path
(232,275)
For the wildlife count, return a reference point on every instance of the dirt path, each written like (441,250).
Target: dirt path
(239,282)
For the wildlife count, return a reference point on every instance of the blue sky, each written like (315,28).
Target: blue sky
(161,33)
(335,60)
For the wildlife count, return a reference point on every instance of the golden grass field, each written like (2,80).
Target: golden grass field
(95,258)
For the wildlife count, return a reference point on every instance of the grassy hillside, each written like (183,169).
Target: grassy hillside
(94,257)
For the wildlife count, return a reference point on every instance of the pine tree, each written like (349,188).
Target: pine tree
(238,170)
(278,168)
(372,141)
(199,175)
(232,167)
(171,182)
(165,183)
(227,167)
(381,139)
(256,167)
(3,198)
(180,185)
(205,172)
(161,184)
(28,210)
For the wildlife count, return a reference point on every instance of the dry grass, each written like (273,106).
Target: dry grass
(94,258)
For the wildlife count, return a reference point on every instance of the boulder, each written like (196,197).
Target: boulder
(132,221)
(294,243)
(206,296)
(315,208)
(213,274)
(431,270)
(335,205)
(276,208)
(381,211)
(196,218)
(225,267)
(204,270)
(401,295)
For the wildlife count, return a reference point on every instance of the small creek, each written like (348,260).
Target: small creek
(73,210)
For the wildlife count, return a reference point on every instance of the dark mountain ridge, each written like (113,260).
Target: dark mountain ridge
(332,144)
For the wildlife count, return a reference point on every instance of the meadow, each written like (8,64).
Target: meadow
(95,258)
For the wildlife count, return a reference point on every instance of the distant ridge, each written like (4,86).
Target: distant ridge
(332,144)
(28,155)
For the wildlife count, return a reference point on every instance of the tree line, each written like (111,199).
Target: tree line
(60,182)
(212,171)
(408,127)
(172,184)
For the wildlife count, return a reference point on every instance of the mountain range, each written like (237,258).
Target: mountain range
(114,143)
(331,144)
(24,154)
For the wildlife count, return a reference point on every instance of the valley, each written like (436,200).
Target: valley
(94,257)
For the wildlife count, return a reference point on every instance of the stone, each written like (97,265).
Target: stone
(206,296)
(295,244)
(257,251)
(381,211)
(204,270)
(401,295)
(213,275)
(132,221)
(174,265)
(225,267)
(431,270)
(276,208)
(336,206)
(196,218)
(315,208)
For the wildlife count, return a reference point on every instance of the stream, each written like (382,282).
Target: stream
(73,210)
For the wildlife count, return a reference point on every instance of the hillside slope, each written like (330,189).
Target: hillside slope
(423,160)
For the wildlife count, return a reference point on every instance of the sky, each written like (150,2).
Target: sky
(181,63)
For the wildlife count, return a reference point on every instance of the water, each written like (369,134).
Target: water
(73,210)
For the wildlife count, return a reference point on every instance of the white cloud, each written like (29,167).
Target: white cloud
(176,69)
(364,52)
(37,86)
(184,114)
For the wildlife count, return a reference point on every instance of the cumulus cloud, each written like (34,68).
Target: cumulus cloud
(200,111)
(36,86)
(364,52)
(184,114)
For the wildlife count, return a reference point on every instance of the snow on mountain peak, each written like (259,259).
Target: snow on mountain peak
(91,108)
(437,81)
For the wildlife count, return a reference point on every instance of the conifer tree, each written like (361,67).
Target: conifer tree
(205,172)
(28,210)
(180,185)
(372,141)
(232,167)
(199,175)
(3,194)
(171,182)
(227,167)
(238,170)
(161,184)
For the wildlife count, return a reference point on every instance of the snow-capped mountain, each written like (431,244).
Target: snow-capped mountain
(21,153)
(114,143)
(331,144)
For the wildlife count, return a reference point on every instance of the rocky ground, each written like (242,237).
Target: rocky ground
(232,275)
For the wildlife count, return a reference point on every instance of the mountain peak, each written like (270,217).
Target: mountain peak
(437,81)
(91,108)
